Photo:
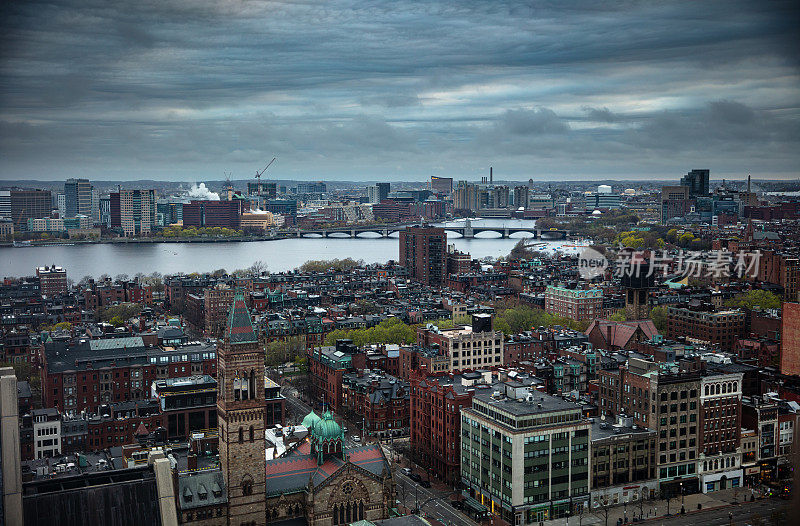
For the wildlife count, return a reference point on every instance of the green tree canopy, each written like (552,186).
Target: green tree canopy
(391,330)
(761,299)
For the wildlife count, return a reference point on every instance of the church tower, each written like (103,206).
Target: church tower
(637,285)
(240,416)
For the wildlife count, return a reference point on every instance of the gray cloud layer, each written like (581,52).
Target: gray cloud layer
(398,89)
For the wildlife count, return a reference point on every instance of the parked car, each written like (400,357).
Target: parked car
(425,484)
(415,477)
(344,429)
(457,504)
(356,438)
(406,471)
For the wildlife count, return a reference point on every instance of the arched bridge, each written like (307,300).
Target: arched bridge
(467,231)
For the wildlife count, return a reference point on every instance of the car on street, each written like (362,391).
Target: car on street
(356,438)
(344,429)
(415,477)
(457,504)
(406,471)
(425,484)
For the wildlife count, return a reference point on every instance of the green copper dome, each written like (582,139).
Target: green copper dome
(311,420)
(327,428)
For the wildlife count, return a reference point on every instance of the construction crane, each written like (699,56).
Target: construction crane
(258,174)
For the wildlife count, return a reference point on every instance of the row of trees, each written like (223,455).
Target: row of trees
(391,330)
(325,265)
(515,319)
(179,231)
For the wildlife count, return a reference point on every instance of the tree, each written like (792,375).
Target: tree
(391,330)
(124,311)
(753,299)
(618,316)
(659,316)
(686,239)
(64,326)
(337,265)
(257,268)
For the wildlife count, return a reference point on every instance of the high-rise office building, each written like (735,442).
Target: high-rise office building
(378,193)
(133,211)
(525,454)
(697,182)
(423,251)
(5,203)
(77,197)
(441,185)
(266,189)
(674,202)
(317,187)
(29,204)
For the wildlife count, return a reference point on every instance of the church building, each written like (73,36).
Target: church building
(318,481)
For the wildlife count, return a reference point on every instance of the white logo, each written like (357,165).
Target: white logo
(591,264)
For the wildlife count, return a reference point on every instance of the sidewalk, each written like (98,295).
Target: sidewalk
(655,509)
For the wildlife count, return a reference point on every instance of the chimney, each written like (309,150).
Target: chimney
(608,336)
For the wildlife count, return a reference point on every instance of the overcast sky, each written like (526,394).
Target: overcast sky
(398,90)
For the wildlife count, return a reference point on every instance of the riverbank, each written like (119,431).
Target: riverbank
(172,256)
(141,240)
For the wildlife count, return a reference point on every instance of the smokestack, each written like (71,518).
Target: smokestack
(748,183)
(491,178)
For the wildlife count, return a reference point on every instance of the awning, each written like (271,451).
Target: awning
(474,505)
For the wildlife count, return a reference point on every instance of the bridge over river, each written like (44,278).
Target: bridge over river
(466,231)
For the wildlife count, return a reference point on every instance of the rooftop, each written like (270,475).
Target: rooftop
(538,403)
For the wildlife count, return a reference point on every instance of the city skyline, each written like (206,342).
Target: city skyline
(189,91)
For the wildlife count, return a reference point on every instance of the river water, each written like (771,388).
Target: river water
(281,255)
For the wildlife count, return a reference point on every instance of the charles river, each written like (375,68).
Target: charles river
(280,255)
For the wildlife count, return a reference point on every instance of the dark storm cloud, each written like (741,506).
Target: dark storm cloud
(399,88)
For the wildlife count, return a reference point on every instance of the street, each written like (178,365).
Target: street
(743,514)
(434,503)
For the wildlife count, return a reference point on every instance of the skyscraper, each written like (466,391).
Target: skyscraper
(240,417)
(423,251)
(78,197)
(697,182)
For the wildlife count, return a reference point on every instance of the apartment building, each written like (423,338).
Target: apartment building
(52,280)
(703,324)
(467,347)
(664,400)
(46,433)
(720,459)
(435,416)
(623,458)
(576,304)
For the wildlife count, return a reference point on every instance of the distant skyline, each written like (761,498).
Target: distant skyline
(399,90)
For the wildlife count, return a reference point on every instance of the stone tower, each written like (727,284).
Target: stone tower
(240,415)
